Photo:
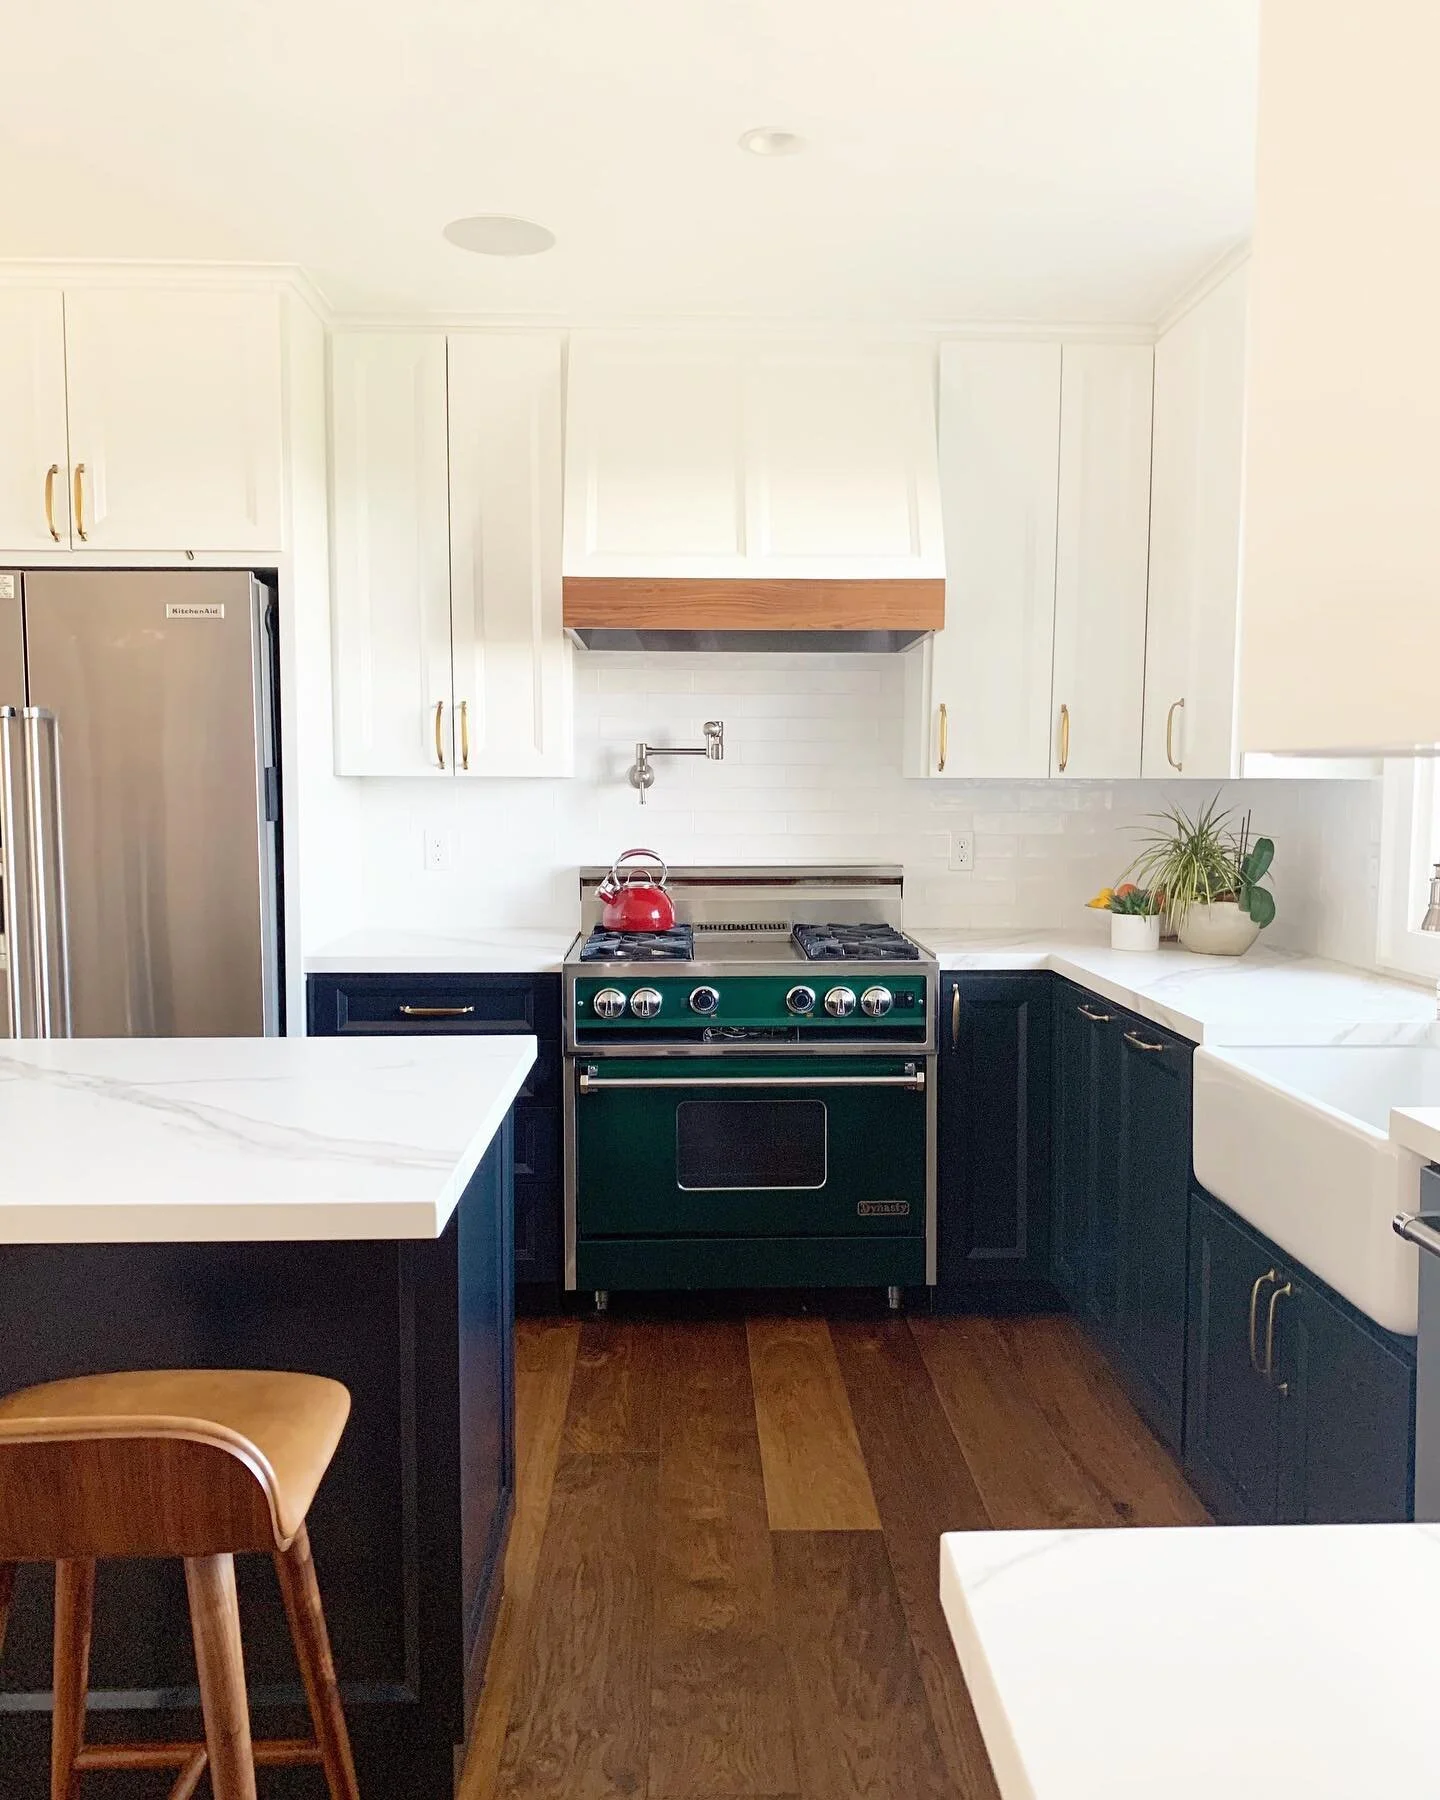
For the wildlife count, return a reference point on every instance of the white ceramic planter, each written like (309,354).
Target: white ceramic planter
(1132,931)
(1220,929)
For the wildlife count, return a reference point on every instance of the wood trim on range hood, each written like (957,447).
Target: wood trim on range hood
(647,603)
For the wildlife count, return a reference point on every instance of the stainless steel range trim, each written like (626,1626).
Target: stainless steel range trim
(590,1083)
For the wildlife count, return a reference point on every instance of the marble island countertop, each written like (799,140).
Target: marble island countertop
(1265,997)
(212,1140)
(1196,1661)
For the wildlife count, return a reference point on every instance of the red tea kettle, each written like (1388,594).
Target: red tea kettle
(633,903)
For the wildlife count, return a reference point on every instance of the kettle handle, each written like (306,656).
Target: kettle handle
(613,882)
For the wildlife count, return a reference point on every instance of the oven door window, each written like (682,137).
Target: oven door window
(722,1145)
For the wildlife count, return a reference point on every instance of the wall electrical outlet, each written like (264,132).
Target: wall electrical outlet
(437,851)
(962,851)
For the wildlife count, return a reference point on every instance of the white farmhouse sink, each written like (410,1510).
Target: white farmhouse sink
(1296,1140)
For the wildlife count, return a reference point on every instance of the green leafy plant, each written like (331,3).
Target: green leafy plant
(1203,859)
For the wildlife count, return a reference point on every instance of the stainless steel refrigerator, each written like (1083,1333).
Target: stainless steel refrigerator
(139,805)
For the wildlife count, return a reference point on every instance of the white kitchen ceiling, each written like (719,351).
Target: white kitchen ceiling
(1040,160)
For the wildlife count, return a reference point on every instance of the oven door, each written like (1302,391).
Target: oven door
(751,1147)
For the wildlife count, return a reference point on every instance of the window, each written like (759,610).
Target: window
(1409,849)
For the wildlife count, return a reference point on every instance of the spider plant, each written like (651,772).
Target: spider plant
(1202,859)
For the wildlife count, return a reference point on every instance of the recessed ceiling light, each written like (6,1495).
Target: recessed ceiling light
(766,140)
(495,234)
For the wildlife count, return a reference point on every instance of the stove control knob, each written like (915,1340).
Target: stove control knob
(800,1000)
(609,1003)
(840,1002)
(645,1002)
(875,1002)
(704,1000)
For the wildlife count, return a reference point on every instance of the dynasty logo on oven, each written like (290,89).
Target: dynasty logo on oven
(883,1209)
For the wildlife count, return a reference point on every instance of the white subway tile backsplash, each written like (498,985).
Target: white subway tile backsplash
(812,773)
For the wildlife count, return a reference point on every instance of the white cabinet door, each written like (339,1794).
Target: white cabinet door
(987,709)
(1102,552)
(514,689)
(34,460)
(176,439)
(391,555)
(775,462)
(1195,538)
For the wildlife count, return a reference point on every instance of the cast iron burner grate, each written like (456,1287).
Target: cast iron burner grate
(854,943)
(675,945)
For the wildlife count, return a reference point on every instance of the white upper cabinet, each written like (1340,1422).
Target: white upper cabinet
(34,460)
(979,690)
(1340,637)
(1102,552)
(391,555)
(1195,538)
(175,409)
(776,462)
(514,690)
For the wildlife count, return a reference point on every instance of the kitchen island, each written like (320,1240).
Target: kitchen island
(336,1207)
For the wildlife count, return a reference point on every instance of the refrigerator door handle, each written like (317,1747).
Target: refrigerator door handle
(12,810)
(49,907)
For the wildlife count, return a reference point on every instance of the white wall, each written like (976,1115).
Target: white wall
(811,774)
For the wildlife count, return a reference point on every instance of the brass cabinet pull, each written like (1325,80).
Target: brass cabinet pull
(1064,737)
(464,734)
(50,475)
(1139,1043)
(944,738)
(439,742)
(955,1017)
(1175,706)
(1260,1280)
(80,530)
(437,1012)
(1276,1296)
(1096,1018)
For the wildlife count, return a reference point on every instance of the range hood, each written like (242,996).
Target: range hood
(724,496)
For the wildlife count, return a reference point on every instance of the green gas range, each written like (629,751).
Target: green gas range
(750,1096)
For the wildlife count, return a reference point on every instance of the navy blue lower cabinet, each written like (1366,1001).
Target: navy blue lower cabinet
(476,1005)
(1152,1198)
(1299,1410)
(993,1177)
(1232,1424)
(1083,1214)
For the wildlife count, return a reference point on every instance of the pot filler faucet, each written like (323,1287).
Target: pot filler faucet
(642,775)
(1431,922)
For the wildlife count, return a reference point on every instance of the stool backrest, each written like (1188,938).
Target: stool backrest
(76,1488)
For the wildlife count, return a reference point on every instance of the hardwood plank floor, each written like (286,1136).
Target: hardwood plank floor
(722,1582)
(815,1476)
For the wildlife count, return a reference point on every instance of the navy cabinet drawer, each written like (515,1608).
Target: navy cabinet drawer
(428,1004)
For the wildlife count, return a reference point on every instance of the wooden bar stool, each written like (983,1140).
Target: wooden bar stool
(199,1464)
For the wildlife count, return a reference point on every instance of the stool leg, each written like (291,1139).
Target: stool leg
(74,1615)
(220,1663)
(7,1594)
(301,1592)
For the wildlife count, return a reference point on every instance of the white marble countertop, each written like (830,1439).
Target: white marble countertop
(1266,997)
(492,950)
(1252,1663)
(215,1140)
(1417,1128)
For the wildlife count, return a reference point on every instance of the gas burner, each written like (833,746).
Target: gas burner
(675,945)
(854,943)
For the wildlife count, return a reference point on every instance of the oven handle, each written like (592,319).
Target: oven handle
(913,1081)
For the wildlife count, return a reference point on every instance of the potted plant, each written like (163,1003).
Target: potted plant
(1134,916)
(1212,875)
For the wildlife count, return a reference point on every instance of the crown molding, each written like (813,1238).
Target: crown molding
(78,272)
(1220,270)
(698,325)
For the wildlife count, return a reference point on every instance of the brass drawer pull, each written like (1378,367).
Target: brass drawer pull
(1260,1280)
(1139,1043)
(437,1012)
(955,1017)
(1094,1017)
